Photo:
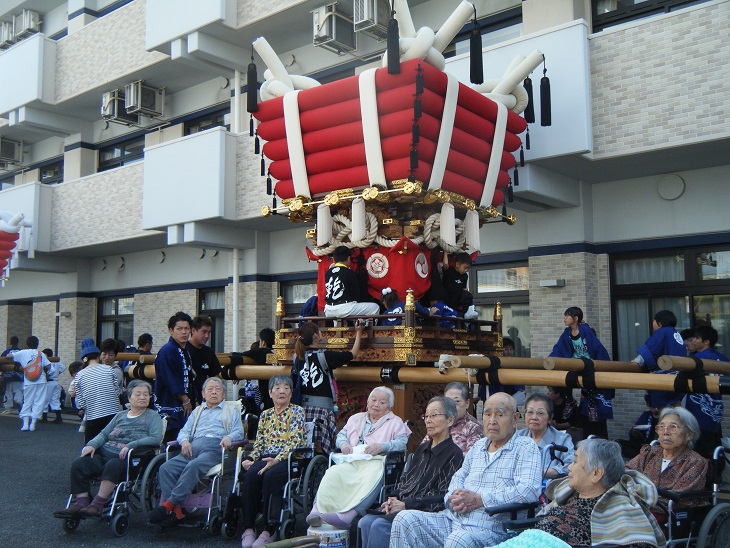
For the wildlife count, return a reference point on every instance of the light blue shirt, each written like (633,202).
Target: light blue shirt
(557,437)
(211,425)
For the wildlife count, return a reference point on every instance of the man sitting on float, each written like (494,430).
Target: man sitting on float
(343,289)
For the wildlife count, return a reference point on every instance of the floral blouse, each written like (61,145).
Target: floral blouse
(278,434)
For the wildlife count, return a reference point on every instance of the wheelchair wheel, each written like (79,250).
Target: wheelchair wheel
(216,525)
(312,478)
(229,529)
(287,529)
(71,524)
(715,530)
(150,494)
(120,524)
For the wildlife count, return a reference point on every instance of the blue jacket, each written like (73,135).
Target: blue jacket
(665,341)
(707,408)
(11,376)
(399,308)
(564,349)
(173,375)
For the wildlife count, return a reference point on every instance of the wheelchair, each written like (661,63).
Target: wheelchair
(304,473)
(128,495)
(204,505)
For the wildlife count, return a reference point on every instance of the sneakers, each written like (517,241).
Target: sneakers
(471,313)
(26,425)
(157,515)
(248,538)
(32,425)
(264,539)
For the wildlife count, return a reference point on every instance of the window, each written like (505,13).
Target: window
(213,304)
(495,29)
(52,173)
(613,12)
(208,121)
(121,154)
(692,283)
(295,294)
(116,318)
(508,285)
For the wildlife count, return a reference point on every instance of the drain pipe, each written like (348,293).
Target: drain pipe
(236,110)
(236,276)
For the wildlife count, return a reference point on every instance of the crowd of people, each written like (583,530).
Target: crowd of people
(462,467)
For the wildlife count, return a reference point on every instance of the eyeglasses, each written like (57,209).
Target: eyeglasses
(536,412)
(426,417)
(673,427)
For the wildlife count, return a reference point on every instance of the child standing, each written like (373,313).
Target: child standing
(665,341)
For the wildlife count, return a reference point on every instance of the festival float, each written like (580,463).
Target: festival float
(10,225)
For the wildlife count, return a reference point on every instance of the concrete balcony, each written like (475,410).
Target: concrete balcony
(190,190)
(29,75)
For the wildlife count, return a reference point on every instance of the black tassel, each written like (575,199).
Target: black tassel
(530,110)
(510,194)
(516,178)
(476,62)
(250,125)
(415,133)
(393,44)
(504,208)
(527,139)
(263,166)
(257,144)
(414,159)
(269,184)
(252,86)
(546,117)
(522,156)
(273,206)
(417,108)
(419,80)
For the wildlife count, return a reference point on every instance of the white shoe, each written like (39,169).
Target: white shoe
(471,313)
(26,423)
(32,425)
(5,411)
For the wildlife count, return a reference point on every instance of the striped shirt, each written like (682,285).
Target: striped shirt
(97,391)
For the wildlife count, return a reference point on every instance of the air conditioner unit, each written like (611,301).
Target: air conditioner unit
(113,109)
(26,23)
(332,29)
(371,18)
(7,36)
(144,100)
(11,152)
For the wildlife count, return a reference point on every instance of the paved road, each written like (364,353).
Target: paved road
(34,472)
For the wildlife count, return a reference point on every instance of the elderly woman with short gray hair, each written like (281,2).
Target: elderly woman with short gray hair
(280,431)
(351,487)
(599,503)
(672,464)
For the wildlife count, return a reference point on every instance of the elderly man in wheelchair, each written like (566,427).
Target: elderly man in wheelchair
(209,427)
(137,429)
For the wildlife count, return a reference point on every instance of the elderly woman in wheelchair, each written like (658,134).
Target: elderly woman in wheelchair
(672,464)
(426,480)
(350,488)
(599,503)
(280,431)
(137,428)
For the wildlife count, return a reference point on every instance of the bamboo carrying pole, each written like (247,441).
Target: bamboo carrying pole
(573,364)
(687,365)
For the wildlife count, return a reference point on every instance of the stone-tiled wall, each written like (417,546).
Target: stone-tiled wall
(107,49)
(257,304)
(250,185)
(75,221)
(661,82)
(44,323)
(249,11)
(153,310)
(15,320)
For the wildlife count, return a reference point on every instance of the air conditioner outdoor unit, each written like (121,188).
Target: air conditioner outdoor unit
(7,36)
(371,18)
(113,110)
(26,23)
(11,152)
(144,100)
(332,29)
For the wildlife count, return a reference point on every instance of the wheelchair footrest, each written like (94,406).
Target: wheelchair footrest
(198,500)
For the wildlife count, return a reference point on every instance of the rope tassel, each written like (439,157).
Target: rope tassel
(516,178)
(251,86)
(530,109)
(476,61)
(263,165)
(546,118)
(393,43)
(257,144)
(522,156)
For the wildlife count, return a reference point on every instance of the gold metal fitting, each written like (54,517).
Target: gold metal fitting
(370,193)
(332,199)
(388,221)
(265,211)
(497,311)
(280,306)
(511,219)
(311,233)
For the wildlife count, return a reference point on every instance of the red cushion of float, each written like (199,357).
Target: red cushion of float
(9,237)
(7,245)
(333,142)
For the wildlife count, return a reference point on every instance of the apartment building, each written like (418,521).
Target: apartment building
(124,141)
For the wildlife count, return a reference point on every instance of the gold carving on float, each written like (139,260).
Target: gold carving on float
(499,341)
(280,306)
(407,356)
(410,303)
(280,355)
(370,193)
(497,311)
(337,341)
(458,342)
